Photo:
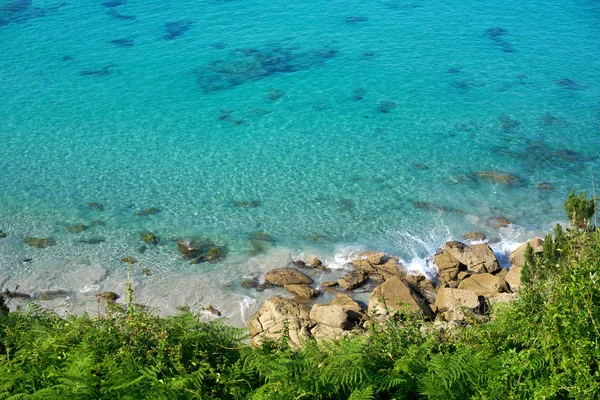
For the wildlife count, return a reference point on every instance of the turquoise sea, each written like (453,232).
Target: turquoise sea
(320,128)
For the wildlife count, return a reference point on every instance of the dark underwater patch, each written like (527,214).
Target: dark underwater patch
(248,64)
(175,29)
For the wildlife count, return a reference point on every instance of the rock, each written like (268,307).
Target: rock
(129,260)
(352,280)
(247,204)
(302,291)
(299,264)
(3,234)
(147,211)
(76,228)
(354,310)
(329,283)
(486,285)
(46,295)
(251,282)
(188,248)
(502,273)
(453,300)
(499,222)
(463,275)
(286,276)
(331,315)
(315,262)
(201,250)
(149,237)
(279,317)
(513,278)
(97,240)
(322,333)
(110,297)
(213,311)
(474,236)
(497,177)
(395,295)
(376,258)
(39,243)
(448,267)
(96,206)
(517,257)
(502,298)
(478,258)
(214,255)
(544,186)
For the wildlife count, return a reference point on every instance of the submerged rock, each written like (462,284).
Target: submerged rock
(51,294)
(354,19)
(3,234)
(201,250)
(122,42)
(275,94)
(173,30)
(569,84)
(96,206)
(498,177)
(103,71)
(358,94)
(247,204)
(544,186)
(39,243)
(92,241)
(149,238)
(147,211)
(385,107)
(76,228)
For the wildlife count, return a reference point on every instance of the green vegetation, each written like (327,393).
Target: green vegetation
(545,345)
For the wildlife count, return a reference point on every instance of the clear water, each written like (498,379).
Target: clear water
(281,103)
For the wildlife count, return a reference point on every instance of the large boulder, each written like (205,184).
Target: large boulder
(352,280)
(513,278)
(286,276)
(342,313)
(517,257)
(330,315)
(454,304)
(448,267)
(448,299)
(279,317)
(478,258)
(302,291)
(486,285)
(322,333)
(395,295)
(378,266)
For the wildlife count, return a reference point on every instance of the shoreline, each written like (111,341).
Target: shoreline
(202,286)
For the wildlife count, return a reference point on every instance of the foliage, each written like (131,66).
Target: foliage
(543,346)
(580,209)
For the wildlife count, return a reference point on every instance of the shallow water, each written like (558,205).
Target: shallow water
(333,120)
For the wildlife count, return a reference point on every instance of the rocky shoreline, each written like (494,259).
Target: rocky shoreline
(470,283)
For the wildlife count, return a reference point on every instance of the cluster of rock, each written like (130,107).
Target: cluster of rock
(470,281)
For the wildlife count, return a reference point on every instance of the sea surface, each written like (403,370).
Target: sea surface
(282,130)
